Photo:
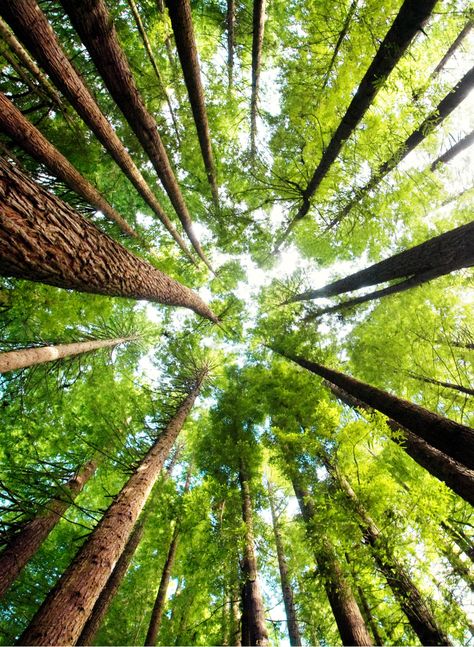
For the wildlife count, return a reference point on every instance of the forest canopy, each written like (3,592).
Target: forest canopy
(236,251)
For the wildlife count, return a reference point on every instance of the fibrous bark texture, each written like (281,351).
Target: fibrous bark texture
(43,239)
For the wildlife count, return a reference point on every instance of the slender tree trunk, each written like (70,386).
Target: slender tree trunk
(411,17)
(452,438)
(24,134)
(365,608)
(257,46)
(26,542)
(446,385)
(94,25)
(235,630)
(451,153)
(43,239)
(404,589)
(17,359)
(458,566)
(182,23)
(293,630)
(464,542)
(32,28)
(254,631)
(442,254)
(104,600)
(453,49)
(349,620)
(230,42)
(63,614)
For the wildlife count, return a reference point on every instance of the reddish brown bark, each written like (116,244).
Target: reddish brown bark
(257,46)
(43,239)
(94,25)
(26,542)
(182,23)
(451,153)
(63,614)
(452,438)
(32,28)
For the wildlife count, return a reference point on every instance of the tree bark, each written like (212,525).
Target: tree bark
(257,46)
(94,25)
(230,42)
(32,28)
(63,614)
(254,631)
(26,542)
(439,255)
(451,153)
(452,438)
(464,542)
(107,594)
(287,591)
(349,620)
(458,566)
(182,23)
(43,239)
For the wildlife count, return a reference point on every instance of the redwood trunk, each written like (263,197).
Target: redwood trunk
(257,45)
(182,23)
(43,239)
(104,600)
(26,542)
(94,25)
(254,631)
(63,614)
(452,438)
(451,153)
(33,29)
(293,630)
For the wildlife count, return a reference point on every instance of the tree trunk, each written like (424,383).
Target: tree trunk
(254,631)
(442,254)
(452,438)
(458,566)
(43,239)
(26,542)
(365,608)
(464,542)
(451,153)
(349,620)
(182,23)
(63,614)
(404,589)
(287,591)
(230,41)
(32,28)
(453,48)
(94,25)
(446,385)
(104,600)
(257,45)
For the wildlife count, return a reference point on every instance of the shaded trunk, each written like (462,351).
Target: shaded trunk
(230,41)
(287,591)
(235,630)
(254,631)
(63,614)
(349,620)
(458,566)
(442,254)
(445,469)
(26,542)
(17,359)
(104,600)
(464,542)
(365,608)
(43,239)
(182,23)
(94,25)
(451,153)
(257,45)
(452,438)
(446,385)
(33,29)
(453,48)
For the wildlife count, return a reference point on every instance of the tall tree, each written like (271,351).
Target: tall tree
(460,38)
(230,41)
(451,153)
(66,609)
(37,244)
(257,46)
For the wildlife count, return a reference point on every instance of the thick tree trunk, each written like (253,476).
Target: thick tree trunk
(104,600)
(257,46)
(17,359)
(182,23)
(94,25)
(26,542)
(287,591)
(445,469)
(404,589)
(451,153)
(254,631)
(452,438)
(32,28)
(25,135)
(349,620)
(439,255)
(43,239)
(230,42)
(63,614)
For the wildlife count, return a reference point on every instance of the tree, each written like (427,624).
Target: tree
(257,45)
(451,153)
